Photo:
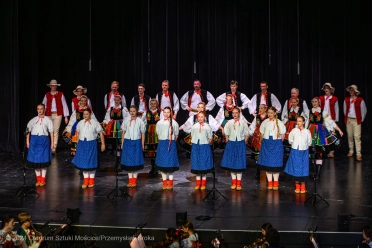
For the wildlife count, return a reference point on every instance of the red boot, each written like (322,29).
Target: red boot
(303,188)
(275,185)
(298,188)
(91,183)
(42,181)
(134,182)
(233,184)
(85,184)
(170,185)
(130,181)
(238,184)
(197,187)
(203,184)
(38,179)
(165,185)
(270,185)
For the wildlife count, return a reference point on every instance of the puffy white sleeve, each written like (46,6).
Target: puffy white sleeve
(227,128)
(176,104)
(105,101)
(188,124)
(176,128)
(66,112)
(142,127)
(215,125)
(275,102)
(221,99)
(364,110)
(305,109)
(285,112)
(209,133)
(107,116)
(309,138)
(220,116)
(245,129)
(184,101)
(211,101)
(252,105)
(123,101)
(71,122)
(292,135)
(252,127)
(282,128)
(337,111)
(328,122)
(245,101)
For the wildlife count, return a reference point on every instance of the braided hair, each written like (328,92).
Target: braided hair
(170,119)
(276,119)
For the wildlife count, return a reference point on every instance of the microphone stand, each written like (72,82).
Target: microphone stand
(25,190)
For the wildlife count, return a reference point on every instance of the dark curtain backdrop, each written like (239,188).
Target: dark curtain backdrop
(287,43)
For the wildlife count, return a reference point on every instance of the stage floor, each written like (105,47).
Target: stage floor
(345,184)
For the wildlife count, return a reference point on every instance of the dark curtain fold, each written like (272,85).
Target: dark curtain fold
(288,43)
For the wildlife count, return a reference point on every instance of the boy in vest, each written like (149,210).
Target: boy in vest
(355,111)
(167,98)
(55,107)
(264,97)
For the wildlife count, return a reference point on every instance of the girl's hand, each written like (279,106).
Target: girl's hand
(341,133)
(103,147)
(211,141)
(66,120)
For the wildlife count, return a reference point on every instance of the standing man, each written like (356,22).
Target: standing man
(264,97)
(55,107)
(329,103)
(168,98)
(302,104)
(355,111)
(78,92)
(109,98)
(239,99)
(190,99)
(141,100)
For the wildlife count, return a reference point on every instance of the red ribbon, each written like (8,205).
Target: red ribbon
(166,94)
(201,126)
(237,121)
(40,119)
(87,121)
(130,123)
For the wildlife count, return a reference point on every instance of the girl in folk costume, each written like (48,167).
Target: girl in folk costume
(271,153)
(201,153)
(79,92)
(69,133)
(166,156)
(322,129)
(190,238)
(133,144)
(112,123)
(298,162)
(27,232)
(8,237)
(86,158)
(151,137)
(39,145)
(234,157)
(290,120)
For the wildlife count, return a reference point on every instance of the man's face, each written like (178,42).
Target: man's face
(233,87)
(141,90)
(114,87)
(197,85)
(327,90)
(294,93)
(53,87)
(164,86)
(264,87)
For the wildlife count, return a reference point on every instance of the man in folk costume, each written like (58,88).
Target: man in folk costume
(109,98)
(329,103)
(355,111)
(302,104)
(190,99)
(264,97)
(55,107)
(168,98)
(78,92)
(239,99)
(141,100)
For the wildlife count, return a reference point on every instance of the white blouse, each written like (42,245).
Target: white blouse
(236,130)
(89,130)
(220,117)
(285,115)
(269,128)
(252,127)
(201,133)
(327,119)
(163,129)
(211,121)
(133,128)
(300,139)
(124,112)
(40,126)
(72,121)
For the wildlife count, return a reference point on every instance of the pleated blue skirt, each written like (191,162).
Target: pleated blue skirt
(234,156)
(201,158)
(39,153)
(298,165)
(271,155)
(132,155)
(167,160)
(86,157)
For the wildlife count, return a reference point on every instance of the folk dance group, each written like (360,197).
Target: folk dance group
(149,129)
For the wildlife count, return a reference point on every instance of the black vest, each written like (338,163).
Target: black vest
(258,100)
(203,96)
(137,100)
(116,116)
(171,95)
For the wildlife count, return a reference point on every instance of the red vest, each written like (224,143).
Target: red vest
(332,103)
(58,98)
(358,109)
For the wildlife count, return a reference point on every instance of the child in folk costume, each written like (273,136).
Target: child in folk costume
(254,140)
(112,123)
(27,232)
(133,144)
(298,162)
(76,117)
(201,153)
(190,240)
(290,120)
(151,138)
(271,153)
(322,128)
(166,155)
(86,158)
(234,157)
(40,146)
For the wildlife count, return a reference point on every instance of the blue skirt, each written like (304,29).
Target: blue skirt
(39,154)
(132,155)
(234,156)
(271,155)
(167,161)
(298,165)
(201,159)
(86,157)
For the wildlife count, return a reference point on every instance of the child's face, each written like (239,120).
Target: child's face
(86,115)
(200,107)
(294,103)
(271,114)
(263,232)
(133,112)
(166,113)
(83,102)
(236,114)
(201,118)
(261,109)
(185,229)
(300,122)
(229,100)
(153,105)
(40,110)
(117,100)
(315,103)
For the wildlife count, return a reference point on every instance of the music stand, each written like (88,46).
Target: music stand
(315,194)
(214,190)
(114,194)
(25,190)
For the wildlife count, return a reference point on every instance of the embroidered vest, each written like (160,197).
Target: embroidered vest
(58,98)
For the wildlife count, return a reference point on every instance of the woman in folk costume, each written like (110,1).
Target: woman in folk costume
(151,138)
(234,157)
(112,124)
(298,162)
(69,134)
(133,144)
(271,153)
(166,155)
(86,158)
(201,152)
(78,92)
(290,120)
(322,129)
(39,142)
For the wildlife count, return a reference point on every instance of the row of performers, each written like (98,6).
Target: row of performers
(154,136)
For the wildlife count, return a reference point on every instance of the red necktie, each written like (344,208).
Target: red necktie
(236,122)
(130,123)
(40,119)
(353,100)
(327,97)
(201,126)
(166,94)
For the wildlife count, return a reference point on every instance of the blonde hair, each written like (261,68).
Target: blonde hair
(115,82)
(24,217)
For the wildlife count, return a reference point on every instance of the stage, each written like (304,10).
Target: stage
(344,183)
